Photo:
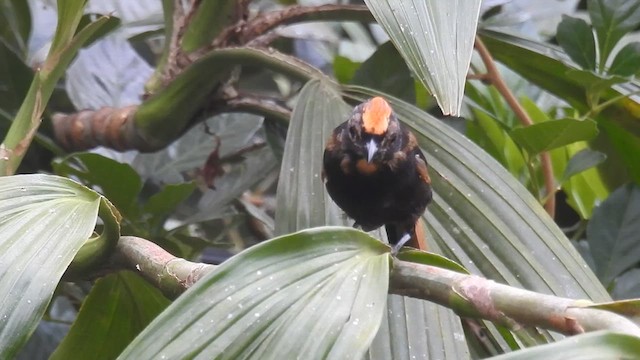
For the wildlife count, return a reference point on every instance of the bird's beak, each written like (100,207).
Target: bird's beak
(372,148)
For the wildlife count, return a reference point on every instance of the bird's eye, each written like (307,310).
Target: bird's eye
(393,138)
(353,132)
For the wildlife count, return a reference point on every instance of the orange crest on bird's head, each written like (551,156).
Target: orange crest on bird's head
(375,117)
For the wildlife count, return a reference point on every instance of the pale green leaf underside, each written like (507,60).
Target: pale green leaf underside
(436,40)
(44,220)
(313,294)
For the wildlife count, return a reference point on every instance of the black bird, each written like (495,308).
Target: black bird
(375,171)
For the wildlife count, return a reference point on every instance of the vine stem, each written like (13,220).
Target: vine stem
(493,76)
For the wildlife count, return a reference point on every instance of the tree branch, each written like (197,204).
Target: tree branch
(474,296)
(493,75)
(170,274)
(468,295)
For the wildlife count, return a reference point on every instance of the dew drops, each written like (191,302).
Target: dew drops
(259,273)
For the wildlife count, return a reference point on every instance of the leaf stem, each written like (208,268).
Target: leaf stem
(493,75)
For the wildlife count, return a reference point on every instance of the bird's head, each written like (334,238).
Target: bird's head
(374,131)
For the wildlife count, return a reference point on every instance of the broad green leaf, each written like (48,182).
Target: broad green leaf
(576,38)
(386,71)
(411,327)
(436,40)
(627,60)
(44,221)
(614,233)
(117,181)
(331,282)
(118,307)
(589,346)
(582,161)
(549,135)
(611,20)
(166,200)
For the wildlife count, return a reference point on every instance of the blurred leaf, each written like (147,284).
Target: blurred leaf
(210,18)
(166,200)
(15,78)
(118,307)
(626,143)
(436,40)
(386,71)
(15,26)
(587,346)
(627,285)
(582,161)
(614,233)
(136,17)
(576,38)
(344,68)
(191,150)
(411,327)
(37,212)
(549,135)
(111,24)
(532,60)
(627,60)
(330,281)
(611,20)
(109,73)
(585,189)
(117,181)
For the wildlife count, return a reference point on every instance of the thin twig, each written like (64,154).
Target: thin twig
(493,75)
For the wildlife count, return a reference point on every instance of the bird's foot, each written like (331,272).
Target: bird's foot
(403,240)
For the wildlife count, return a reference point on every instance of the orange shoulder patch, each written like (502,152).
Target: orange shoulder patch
(375,118)
(423,171)
(366,168)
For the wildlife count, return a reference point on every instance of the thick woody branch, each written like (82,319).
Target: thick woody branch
(474,296)
(170,274)
(115,127)
(467,295)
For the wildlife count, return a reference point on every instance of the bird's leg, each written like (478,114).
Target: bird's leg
(403,240)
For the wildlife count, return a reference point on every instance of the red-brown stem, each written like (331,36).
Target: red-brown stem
(493,75)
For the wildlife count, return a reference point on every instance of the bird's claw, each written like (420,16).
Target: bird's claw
(403,240)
